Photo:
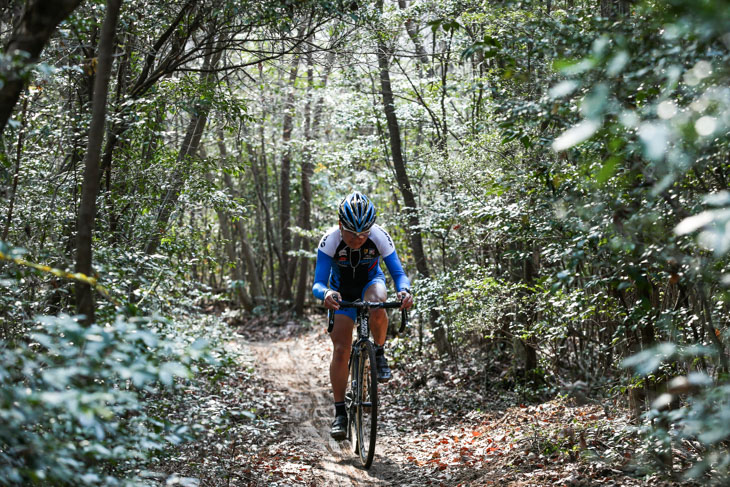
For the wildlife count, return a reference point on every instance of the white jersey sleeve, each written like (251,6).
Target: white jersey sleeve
(382,240)
(329,242)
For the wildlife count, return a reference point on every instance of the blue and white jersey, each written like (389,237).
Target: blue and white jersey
(348,270)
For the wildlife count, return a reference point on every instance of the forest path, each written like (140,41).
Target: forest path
(439,425)
(299,366)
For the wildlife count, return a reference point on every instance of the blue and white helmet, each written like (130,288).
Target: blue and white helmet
(357,213)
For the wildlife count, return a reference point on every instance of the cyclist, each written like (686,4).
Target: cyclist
(348,268)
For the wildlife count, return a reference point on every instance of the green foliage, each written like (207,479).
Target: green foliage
(74,401)
(701,420)
(470,302)
(562,163)
(651,106)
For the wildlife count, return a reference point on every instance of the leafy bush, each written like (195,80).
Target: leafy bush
(470,303)
(74,400)
(694,412)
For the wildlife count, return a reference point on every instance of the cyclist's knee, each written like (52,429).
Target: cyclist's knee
(340,351)
(376,293)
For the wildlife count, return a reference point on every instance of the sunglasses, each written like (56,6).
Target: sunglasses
(357,234)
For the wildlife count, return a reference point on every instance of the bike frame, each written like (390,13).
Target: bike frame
(362,342)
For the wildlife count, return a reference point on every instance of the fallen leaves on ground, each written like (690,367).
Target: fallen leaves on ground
(441,423)
(458,429)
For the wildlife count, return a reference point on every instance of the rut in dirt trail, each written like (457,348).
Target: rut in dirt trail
(300,367)
(438,425)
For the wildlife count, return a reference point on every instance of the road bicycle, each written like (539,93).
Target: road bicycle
(361,396)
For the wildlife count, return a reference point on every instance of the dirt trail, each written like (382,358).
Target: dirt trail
(300,367)
(451,430)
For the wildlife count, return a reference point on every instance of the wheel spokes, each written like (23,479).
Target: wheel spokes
(367,407)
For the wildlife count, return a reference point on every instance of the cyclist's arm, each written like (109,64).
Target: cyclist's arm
(401,281)
(321,274)
(390,257)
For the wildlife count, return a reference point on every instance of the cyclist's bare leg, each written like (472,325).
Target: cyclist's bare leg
(378,317)
(341,343)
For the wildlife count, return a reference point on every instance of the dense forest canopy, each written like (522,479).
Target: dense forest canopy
(554,173)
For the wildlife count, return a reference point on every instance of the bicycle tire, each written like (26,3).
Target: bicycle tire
(350,395)
(366,402)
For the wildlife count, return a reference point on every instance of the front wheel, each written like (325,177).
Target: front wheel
(350,399)
(366,403)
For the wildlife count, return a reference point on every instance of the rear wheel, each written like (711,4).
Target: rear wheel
(366,403)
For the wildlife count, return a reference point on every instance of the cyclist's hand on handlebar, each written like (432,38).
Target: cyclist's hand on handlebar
(406,299)
(332,300)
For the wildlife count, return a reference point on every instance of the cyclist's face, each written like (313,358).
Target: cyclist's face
(352,239)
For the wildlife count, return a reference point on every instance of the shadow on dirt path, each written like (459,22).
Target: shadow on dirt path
(450,430)
(299,366)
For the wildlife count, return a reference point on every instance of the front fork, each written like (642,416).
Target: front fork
(354,395)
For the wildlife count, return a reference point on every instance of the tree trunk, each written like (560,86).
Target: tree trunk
(224,222)
(527,358)
(39,21)
(90,188)
(404,185)
(412,30)
(189,149)
(304,220)
(260,184)
(285,277)
(615,8)
(16,172)
(254,281)
(117,128)
(305,210)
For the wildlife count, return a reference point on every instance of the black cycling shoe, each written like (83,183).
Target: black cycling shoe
(384,374)
(338,431)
